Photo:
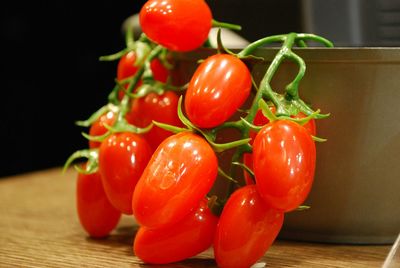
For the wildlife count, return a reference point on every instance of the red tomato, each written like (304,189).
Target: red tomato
(122,159)
(127,67)
(189,237)
(180,173)
(261,120)
(98,129)
(219,86)
(96,214)
(160,73)
(161,108)
(246,229)
(180,25)
(284,163)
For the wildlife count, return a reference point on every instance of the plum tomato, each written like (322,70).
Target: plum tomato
(161,108)
(261,120)
(122,159)
(219,86)
(98,128)
(127,67)
(179,25)
(160,72)
(246,229)
(187,238)
(284,157)
(96,214)
(179,174)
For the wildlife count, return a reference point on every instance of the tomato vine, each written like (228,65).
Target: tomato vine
(155,144)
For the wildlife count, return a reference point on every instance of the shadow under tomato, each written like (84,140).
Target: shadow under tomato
(122,236)
(192,262)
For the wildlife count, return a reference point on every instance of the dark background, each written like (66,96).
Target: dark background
(51,75)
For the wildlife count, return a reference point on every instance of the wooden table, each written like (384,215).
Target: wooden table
(39,228)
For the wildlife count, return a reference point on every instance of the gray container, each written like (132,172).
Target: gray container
(356,193)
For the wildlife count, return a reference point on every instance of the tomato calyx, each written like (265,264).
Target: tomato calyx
(92,164)
(208,135)
(95,116)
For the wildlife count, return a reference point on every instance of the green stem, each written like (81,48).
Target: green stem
(129,39)
(265,87)
(316,38)
(114,56)
(225,25)
(292,90)
(261,42)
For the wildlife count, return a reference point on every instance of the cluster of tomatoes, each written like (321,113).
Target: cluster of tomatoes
(150,158)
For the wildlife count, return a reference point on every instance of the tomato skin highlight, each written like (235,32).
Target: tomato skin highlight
(160,108)
(96,214)
(187,238)
(127,66)
(246,229)
(122,159)
(261,120)
(98,128)
(180,173)
(174,25)
(284,157)
(219,86)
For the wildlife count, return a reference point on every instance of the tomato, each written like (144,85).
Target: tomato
(179,25)
(246,229)
(96,214)
(284,158)
(219,86)
(98,128)
(127,67)
(160,72)
(180,173)
(161,108)
(122,159)
(260,120)
(188,237)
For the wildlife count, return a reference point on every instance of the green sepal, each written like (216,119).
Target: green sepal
(223,174)
(92,156)
(318,139)
(88,122)
(266,111)
(124,126)
(99,138)
(114,56)
(250,125)
(245,168)
(218,147)
(221,48)
(302,208)
(171,128)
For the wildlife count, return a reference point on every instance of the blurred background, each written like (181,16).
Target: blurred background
(51,75)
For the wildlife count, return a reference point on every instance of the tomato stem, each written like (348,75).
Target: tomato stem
(225,25)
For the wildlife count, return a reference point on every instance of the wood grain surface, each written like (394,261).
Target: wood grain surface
(39,228)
